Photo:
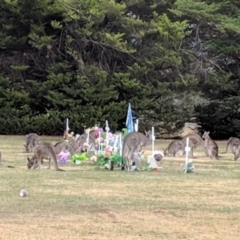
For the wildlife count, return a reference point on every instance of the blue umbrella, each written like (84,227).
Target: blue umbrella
(129,121)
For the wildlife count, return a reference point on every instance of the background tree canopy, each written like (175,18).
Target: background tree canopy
(174,61)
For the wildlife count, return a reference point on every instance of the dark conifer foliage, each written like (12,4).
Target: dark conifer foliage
(85,60)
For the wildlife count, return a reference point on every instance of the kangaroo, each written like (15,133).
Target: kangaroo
(62,146)
(236,152)
(232,144)
(78,144)
(32,140)
(133,142)
(175,148)
(129,152)
(210,146)
(43,150)
(194,141)
(83,140)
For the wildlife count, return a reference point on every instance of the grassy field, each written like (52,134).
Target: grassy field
(89,203)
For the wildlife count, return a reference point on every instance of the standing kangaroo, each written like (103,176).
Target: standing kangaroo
(43,150)
(194,141)
(175,148)
(232,144)
(32,140)
(133,142)
(210,146)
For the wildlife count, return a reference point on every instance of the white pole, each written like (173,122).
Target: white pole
(115,143)
(153,139)
(136,125)
(99,140)
(107,130)
(120,144)
(88,136)
(67,126)
(186,151)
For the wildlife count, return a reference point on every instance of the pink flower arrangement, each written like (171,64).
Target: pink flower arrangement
(98,131)
(63,156)
(108,149)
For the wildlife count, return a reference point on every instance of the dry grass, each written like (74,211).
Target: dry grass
(89,203)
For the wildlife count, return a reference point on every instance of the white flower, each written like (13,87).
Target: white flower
(93,158)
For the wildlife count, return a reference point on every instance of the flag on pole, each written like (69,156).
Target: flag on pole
(129,121)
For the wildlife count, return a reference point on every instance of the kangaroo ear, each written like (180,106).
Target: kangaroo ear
(147,133)
(28,159)
(208,132)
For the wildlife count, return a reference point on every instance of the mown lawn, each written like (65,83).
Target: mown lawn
(89,203)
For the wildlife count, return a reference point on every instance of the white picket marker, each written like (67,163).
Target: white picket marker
(187,150)
(88,137)
(99,140)
(136,125)
(120,144)
(115,144)
(67,126)
(107,130)
(153,140)
(151,157)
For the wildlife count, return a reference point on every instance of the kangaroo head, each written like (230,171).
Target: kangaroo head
(148,135)
(30,162)
(165,151)
(205,134)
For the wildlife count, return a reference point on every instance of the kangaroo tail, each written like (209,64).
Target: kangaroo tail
(60,170)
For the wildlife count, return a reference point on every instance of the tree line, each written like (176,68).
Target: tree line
(174,61)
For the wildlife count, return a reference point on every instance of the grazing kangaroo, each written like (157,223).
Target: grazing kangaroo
(62,146)
(210,146)
(194,141)
(175,148)
(133,142)
(32,140)
(232,144)
(43,150)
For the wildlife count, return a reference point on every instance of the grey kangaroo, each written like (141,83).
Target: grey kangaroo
(43,150)
(175,148)
(194,141)
(232,144)
(210,145)
(32,140)
(132,142)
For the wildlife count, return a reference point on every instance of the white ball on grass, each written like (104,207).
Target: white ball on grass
(23,193)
